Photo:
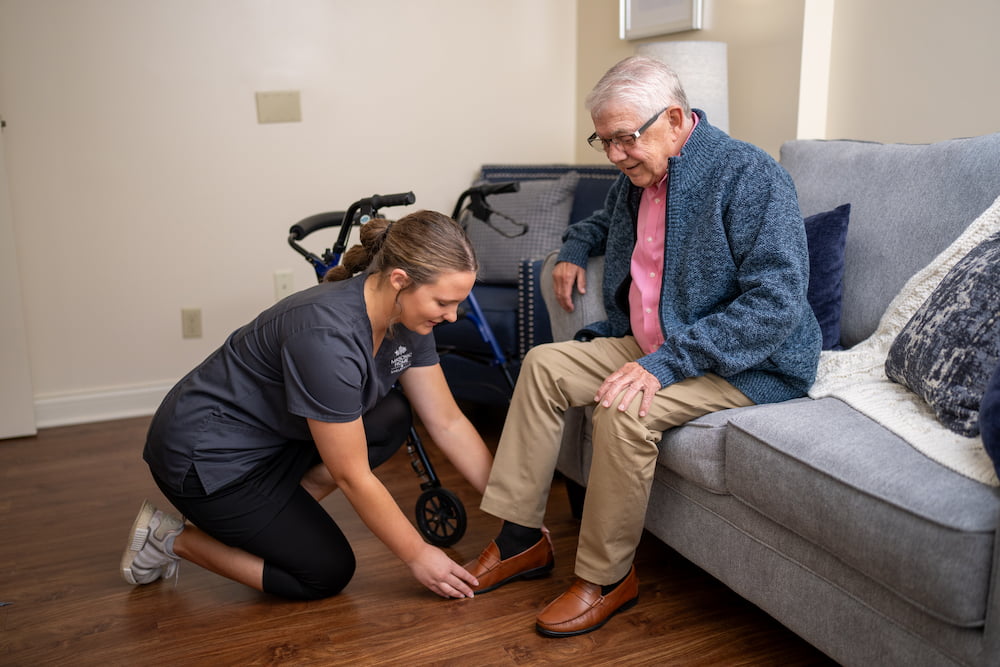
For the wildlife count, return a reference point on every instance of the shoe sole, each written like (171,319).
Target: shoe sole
(136,539)
(552,633)
(537,573)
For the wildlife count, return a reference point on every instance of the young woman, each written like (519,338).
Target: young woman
(299,403)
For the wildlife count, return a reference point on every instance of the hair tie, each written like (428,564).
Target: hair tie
(379,241)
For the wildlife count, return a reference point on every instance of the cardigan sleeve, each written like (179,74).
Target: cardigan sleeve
(589,237)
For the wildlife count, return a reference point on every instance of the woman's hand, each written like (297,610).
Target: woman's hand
(435,570)
(342,446)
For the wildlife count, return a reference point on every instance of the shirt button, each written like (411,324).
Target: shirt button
(652,274)
(649,310)
(649,239)
(657,200)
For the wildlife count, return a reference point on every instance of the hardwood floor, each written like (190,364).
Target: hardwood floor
(68,497)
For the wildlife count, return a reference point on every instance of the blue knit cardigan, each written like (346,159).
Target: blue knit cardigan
(735,269)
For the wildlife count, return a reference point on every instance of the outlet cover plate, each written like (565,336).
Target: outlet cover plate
(279,106)
(191,322)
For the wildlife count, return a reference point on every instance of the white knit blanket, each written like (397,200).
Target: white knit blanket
(857,376)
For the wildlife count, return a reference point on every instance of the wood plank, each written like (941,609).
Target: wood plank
(68,497)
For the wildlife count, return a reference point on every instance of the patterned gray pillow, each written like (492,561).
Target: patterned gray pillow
(949,348)
(544,206)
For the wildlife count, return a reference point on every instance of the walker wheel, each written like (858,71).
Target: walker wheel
(441,517)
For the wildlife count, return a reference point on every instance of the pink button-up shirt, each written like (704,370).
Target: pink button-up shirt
(647,265)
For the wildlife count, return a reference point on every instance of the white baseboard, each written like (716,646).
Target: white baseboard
(94,406)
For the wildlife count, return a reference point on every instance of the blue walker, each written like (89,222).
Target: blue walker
(440,514)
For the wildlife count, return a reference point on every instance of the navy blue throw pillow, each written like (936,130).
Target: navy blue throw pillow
(826,235)
(989,419)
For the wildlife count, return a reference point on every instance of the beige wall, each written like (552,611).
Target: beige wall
(899,70)
(914,71)
(764,39)
(141,183)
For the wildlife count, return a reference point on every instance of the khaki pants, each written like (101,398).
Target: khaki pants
(558,376)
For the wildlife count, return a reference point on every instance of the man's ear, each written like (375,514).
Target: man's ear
(399,280)
(675,115)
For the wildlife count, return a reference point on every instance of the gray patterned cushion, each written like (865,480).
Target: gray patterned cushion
(544,206)
(949,348)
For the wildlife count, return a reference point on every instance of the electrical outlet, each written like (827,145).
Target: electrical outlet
(191,322)
(284,284)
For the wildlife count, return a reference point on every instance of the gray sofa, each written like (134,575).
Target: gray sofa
(829,522)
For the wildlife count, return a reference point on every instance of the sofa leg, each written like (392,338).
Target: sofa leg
(576,493)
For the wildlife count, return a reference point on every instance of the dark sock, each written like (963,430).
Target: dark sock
(610,587)
(515,538)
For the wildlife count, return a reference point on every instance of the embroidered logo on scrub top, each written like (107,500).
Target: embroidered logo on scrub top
(400,359)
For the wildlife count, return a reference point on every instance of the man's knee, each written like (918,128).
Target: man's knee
(540,356)
(624,430)
(554,363)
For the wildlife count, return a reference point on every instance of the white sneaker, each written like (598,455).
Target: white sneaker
(149,553)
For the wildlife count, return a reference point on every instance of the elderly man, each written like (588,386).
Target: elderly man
(705,281)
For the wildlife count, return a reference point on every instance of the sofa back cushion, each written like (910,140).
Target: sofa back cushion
(908,202)
(526,224)
(541,205)
(592,186)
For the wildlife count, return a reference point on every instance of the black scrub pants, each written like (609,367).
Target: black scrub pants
(269,514)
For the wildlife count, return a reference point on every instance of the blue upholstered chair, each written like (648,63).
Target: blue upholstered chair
(551,197)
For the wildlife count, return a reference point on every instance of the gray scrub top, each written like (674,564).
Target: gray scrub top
(309,355)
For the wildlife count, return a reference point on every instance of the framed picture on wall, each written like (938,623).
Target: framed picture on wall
(648,18)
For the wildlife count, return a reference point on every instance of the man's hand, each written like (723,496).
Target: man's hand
(628,381)
(565,277)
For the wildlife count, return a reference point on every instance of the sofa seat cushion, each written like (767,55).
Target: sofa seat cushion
(697,450)
(862,494)
(466,358)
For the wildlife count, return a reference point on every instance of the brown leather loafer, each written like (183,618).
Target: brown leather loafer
(529,564)
(583,609)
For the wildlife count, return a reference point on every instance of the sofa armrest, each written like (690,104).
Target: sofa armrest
(587,308)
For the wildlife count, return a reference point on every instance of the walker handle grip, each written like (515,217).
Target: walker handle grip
(487,189)
(307,226)
(384,201)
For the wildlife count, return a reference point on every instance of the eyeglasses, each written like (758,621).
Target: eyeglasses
(622,141)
